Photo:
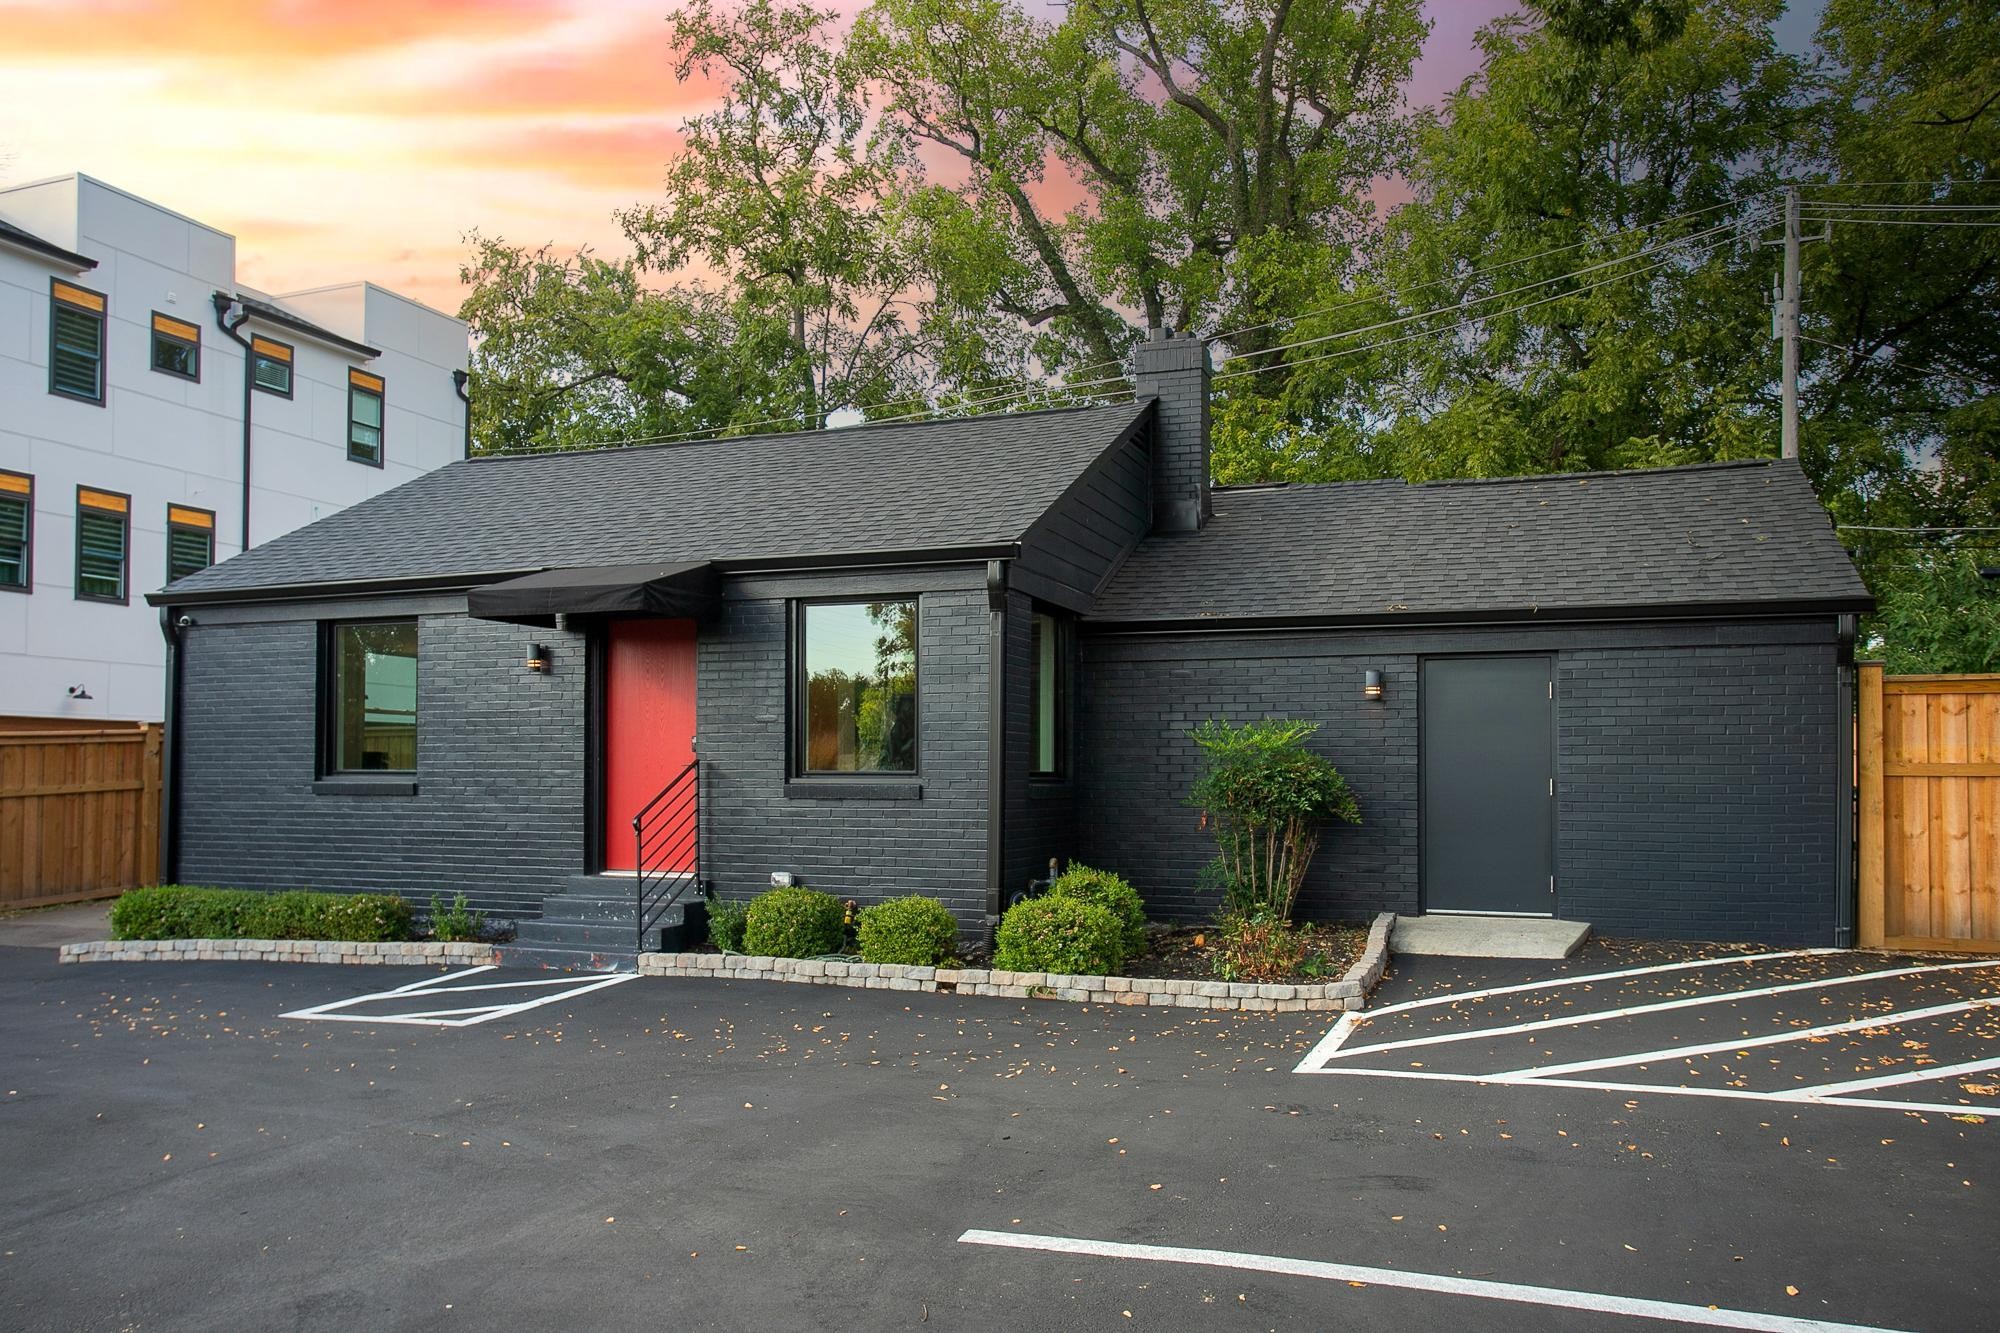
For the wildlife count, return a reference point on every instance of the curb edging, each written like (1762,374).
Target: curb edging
(457,953)
(1349,993)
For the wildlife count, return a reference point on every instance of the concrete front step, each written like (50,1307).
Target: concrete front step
(566,960)
(617,936)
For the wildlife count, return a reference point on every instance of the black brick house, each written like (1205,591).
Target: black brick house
(930,657)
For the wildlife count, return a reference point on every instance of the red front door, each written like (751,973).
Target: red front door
(648,737)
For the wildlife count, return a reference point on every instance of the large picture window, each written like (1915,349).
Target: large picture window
(858,680)
(371,697)
(1048,689)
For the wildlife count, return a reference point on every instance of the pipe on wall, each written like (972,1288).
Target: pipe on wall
(461,381)
(1845,879)
(229,327)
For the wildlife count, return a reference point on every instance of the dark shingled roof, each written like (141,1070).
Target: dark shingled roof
(1709,536)
(904,487)
(27,240)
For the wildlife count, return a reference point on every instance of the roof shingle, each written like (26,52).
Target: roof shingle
(890,488)
(1710,535)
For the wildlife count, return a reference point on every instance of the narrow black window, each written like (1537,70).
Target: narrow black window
(17,531)
(370,698)
(76,342)
(364,417)
(190,540)
(103,542)
(271,366)
(176,347)
(1048,688)
(857,684)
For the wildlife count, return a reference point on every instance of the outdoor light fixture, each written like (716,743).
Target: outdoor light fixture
(538,657)
(78,692)
(1371,684)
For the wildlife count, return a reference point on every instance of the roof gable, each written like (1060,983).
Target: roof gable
(888,489)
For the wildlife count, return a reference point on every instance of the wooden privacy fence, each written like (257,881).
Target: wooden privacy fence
(79,814)
(1927,758)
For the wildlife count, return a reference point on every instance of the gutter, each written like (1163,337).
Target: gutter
(1500,616)
(14,238)
(1846,880)
(223,301)
(170,757)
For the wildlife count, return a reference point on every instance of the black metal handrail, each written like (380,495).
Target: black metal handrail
(667,827)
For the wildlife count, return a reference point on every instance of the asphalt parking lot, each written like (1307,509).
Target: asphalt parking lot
(177,1152)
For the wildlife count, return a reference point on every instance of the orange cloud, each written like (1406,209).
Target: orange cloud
(254,31)
(628,157)
(629,73)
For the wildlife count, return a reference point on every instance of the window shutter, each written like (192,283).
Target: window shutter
(187,551)
(100,554)
(78,351)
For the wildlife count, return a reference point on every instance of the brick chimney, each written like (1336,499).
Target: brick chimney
(1174,370)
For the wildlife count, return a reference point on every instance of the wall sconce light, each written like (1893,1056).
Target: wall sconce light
(78,692)
(538,658)
(1371,684)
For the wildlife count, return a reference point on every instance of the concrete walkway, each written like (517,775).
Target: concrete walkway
(1487,936)
(49,927)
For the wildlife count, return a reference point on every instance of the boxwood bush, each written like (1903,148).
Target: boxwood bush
(794,923)
(1111,892)
(1051,934)
(725,923)
(916,930)
(180,912)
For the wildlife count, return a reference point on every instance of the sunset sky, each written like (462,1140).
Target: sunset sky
(342,139)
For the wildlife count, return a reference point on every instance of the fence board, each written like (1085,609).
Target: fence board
(1927,754)
(79,813)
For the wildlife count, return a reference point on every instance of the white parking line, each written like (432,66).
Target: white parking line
(1438,1283)
(1333,1040)
(331,1012)
(1744,1043)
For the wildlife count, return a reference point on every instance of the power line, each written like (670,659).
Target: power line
(1464,323)
(1850,220)
(1484,272)
(1871,527)
(1482,300)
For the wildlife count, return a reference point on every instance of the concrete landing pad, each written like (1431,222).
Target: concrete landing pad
(1488,936)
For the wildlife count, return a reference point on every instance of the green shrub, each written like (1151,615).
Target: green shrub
(177,912)
(725,923)
(1051,934)
(1260,948)
(916,930)
(456,922)
(793,923)
(1113,893)
(1266,797)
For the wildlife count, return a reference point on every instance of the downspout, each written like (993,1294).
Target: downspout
(170,751)
(996,738)
(1845,905)
(222,303)
(460,380)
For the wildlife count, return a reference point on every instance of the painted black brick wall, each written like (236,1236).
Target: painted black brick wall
(864,849)
(498,813)
(1038,823)
(1696,773)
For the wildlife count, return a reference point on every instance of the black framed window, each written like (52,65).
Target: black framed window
(17,531)
(369,697)
(76,341)
(1048,694)
(271,366)
(857,686)
(103,544)
(364,417)
(176,347)
(190,540)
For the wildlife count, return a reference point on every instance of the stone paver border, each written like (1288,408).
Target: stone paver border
(1349,993)
(407,952)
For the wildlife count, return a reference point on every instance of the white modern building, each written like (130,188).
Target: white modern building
(127,428)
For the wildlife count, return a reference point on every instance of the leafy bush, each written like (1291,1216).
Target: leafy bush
(1266,796)
(1051,934)
(1262,948)
(456,922)
(177,912)
(725,923)
(916,930)
(1114,893)
(793,923)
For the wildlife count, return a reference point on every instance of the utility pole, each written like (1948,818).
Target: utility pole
(1788,328)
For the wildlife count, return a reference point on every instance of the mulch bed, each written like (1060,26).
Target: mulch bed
(1188,953)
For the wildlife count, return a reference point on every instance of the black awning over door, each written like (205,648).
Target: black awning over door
(676,590)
